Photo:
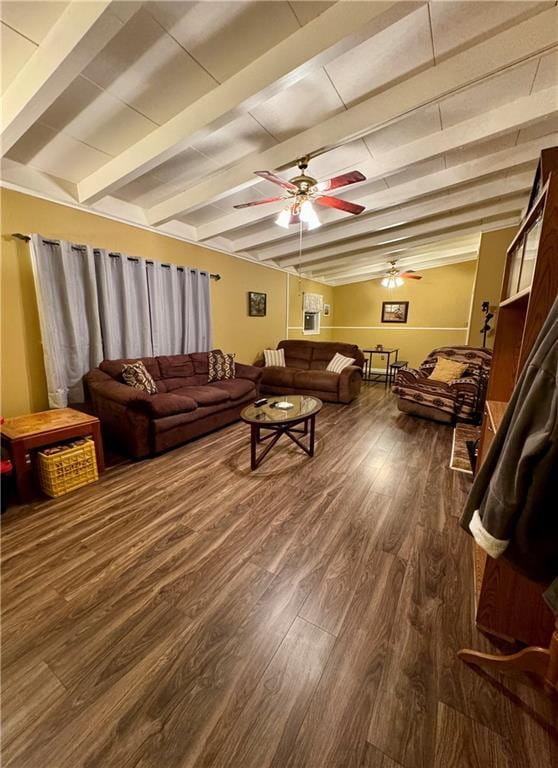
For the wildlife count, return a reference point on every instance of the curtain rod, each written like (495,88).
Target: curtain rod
(19,236)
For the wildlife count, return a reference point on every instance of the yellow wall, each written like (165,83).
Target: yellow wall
(298,286)
(439,306)
(488,281)
(22,372)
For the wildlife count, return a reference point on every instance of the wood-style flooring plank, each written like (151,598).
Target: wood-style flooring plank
(462,742)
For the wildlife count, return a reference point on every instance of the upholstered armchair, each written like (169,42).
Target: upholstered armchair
(461,399)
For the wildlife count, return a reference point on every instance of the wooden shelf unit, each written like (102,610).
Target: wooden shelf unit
(509,605)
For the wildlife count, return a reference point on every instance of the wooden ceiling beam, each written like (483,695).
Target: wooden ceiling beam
(78,35)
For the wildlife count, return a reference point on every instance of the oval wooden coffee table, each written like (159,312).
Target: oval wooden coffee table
(298,420)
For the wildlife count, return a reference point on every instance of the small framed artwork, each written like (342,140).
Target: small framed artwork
(327,310)
(257,304)
(395,311)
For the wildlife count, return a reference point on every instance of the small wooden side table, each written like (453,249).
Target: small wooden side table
(23,433)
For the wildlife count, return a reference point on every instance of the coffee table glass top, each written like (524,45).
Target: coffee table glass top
(303,406)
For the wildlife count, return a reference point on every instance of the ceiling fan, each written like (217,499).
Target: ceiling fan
(394,277)
(302,191)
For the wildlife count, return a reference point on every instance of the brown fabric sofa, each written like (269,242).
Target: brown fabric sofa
(186,406)
(305,371)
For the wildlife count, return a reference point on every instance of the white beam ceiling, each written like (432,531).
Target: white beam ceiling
(510,117)
(160,118)
(527,39)
(320,41)
(76,37)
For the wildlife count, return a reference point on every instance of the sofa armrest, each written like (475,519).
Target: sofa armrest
(252,372)
(350,380)
(102,385)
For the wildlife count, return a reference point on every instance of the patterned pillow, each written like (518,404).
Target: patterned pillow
(275,357)
(338,362)
(137,376)
(220,366)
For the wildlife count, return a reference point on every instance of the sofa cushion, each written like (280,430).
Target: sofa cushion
(114,367)
(205,395)
(236,388)
(278,376)
(176,366)
(326,381)
(167,404)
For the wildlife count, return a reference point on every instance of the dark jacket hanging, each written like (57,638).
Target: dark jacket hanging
(512,509)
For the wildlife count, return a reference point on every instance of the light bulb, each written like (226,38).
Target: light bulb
(385,282)
(309,215)
(398,281)
(284,218)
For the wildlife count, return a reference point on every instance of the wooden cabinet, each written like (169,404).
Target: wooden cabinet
(508,604)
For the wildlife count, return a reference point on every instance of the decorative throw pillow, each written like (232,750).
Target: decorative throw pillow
(448,370)
(338,362)
(274,357)
(220,366)
(137,376)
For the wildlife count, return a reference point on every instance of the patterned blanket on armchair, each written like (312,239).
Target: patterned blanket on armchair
(461,398)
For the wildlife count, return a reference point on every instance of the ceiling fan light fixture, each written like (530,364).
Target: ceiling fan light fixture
(284,218)
(392,281)
(309,215)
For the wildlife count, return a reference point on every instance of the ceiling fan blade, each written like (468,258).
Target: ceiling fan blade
(411,275)
(259,202)
(342,205)
(269,176)
(340,181)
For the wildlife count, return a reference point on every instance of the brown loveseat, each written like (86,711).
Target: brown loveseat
(305,371)
(185,406)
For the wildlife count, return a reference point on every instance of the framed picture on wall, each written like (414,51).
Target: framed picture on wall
(395,311)
(257,304)
(327,310)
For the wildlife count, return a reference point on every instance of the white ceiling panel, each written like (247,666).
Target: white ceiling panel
(146,191)
(236,139)
(56,153)
(547,73)
(144,67)
(307,102)
(416,171)
(420,123)
(32,18)
(225,36)
(96,117)
(202,216)
(489,94)
(456,25)
(185,168)
(348,157)
(473,152)
(15,51)
(306,10)
(371,65)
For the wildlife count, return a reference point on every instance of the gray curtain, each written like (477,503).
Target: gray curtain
(179,299)
(68,315)
(95,305)
(123,305)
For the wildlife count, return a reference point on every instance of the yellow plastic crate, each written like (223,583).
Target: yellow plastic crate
(70,468)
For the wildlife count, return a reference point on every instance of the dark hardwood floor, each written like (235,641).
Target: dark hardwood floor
(185,612)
